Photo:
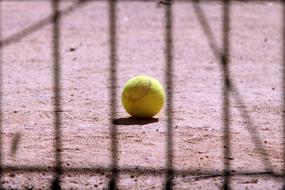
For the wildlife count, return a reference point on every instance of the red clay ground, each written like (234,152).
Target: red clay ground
(197,95)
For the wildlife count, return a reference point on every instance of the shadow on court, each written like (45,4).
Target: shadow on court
(134,121)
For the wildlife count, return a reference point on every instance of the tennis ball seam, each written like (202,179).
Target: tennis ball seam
(130,98)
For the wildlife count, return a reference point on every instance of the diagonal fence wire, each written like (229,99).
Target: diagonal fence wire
(234,91)
(42,23)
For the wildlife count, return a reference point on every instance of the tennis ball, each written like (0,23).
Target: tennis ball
(143,96)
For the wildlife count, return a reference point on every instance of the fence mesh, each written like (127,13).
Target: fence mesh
(228,90)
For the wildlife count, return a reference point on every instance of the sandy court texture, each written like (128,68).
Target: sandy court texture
(27,94)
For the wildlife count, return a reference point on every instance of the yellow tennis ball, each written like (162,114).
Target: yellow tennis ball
(143,96)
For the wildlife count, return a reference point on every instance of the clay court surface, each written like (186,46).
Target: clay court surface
(27,94)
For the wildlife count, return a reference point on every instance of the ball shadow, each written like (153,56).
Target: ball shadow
(134,121)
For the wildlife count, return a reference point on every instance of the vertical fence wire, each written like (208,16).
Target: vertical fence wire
(1,98)
(56,91)
(226,89)
(169,84)
(283,86)
(113,93)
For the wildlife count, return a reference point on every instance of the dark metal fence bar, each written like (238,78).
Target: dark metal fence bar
(169,92)
(283,85)
(113,93)
(1,94)
(56,92)
(141,171)
(260,1)
(224,59)
(226,89)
